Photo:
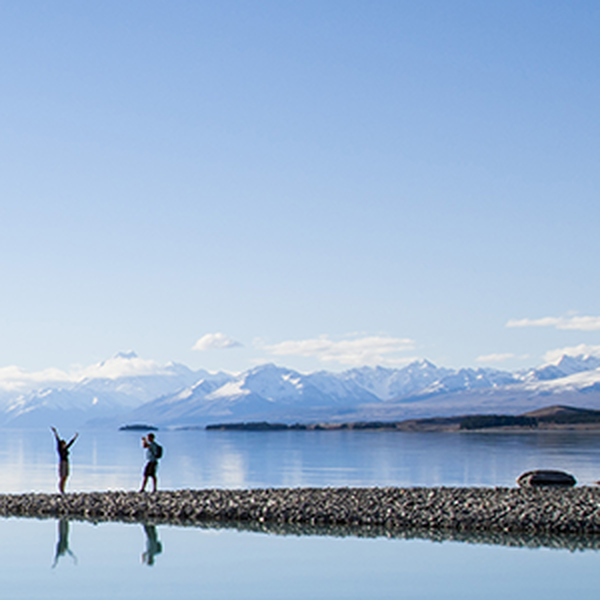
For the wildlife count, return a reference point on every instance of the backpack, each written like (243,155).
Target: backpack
(158,450)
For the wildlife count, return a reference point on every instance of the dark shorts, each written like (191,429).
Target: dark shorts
(150,469)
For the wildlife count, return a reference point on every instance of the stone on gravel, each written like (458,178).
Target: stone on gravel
(539,478)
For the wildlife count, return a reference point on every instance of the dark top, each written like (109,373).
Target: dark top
(63,451)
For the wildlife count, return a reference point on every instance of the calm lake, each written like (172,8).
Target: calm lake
(50,559)
(113,460)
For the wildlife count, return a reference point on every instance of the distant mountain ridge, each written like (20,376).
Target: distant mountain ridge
(127,389)
(104,391)
(419,390)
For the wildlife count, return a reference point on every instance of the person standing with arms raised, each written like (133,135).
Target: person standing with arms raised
(153,453)
(62,448)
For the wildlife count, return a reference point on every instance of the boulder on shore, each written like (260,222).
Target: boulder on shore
(541,477)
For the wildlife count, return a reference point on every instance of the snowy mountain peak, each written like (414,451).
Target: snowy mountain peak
(269,368)
(128,354)
(562,367)
(577,364)
(422,363)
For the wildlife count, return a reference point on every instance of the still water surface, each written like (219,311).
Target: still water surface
(199,459)
(50,559)
(112,561)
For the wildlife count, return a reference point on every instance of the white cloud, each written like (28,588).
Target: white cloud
(573,323)
(215,341)
(16,379)
(368,350)
(583,349)
(124,364)
(128,364)
(494,358)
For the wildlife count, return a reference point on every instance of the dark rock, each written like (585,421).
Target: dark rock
(543,478)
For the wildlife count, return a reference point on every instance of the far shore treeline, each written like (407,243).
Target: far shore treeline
(553,417)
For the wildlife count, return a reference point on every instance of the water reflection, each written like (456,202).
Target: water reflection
(286,563)
(62,545)
(489,538)
(153,544)
(109,460)
(523,539)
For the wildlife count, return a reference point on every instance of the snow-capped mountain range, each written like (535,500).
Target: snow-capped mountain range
(126,389)
(102,391)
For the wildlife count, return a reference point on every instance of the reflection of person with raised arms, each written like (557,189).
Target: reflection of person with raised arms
(62,447)
(62,546)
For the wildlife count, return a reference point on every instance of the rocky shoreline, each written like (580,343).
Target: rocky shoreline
(535,511)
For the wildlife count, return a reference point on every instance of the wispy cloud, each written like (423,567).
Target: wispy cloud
(16,379)
(367,350)
(582,349)
(123,364)
(494,358)
(574,323)
(215,341)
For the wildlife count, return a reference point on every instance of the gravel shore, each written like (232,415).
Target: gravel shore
(489,511)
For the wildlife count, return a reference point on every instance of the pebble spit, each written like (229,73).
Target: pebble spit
(536,511)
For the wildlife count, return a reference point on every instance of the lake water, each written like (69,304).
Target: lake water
(50,559)
(113,460)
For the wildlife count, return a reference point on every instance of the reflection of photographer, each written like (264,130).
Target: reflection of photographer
(153,545)
(153,452)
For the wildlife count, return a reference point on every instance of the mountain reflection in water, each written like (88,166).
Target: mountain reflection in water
(112,460)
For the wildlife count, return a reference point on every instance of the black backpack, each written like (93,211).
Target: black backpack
(158,450)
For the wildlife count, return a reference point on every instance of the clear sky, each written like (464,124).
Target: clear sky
(320,184)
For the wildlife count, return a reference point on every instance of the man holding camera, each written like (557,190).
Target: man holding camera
(153,453)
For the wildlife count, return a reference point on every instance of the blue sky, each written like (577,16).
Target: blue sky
(318,184)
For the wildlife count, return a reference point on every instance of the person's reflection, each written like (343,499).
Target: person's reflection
(153,545)
(62,545)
